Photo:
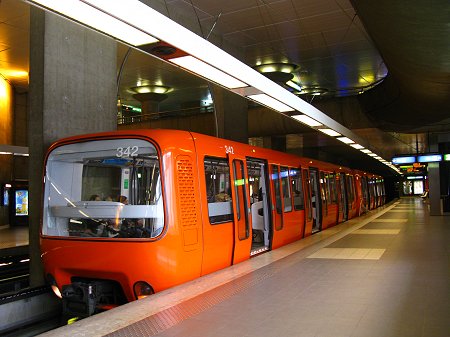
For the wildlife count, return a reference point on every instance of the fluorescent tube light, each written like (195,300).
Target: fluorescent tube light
(203,69)
(270,102)
(357,146)
(345,140)
(307,120)
(92,17)
(366,151)
(372,154)
(330,132)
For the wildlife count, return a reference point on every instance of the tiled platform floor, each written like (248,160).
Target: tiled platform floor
(388,278)
(13,236)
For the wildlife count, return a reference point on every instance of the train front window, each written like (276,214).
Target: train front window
(103,189)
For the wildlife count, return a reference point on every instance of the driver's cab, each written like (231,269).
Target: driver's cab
(124,176)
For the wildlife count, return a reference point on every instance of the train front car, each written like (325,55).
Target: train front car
(105,234)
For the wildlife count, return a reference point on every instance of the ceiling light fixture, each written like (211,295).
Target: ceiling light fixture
(97,19)
(203,69)
(330,132)
(307,120)
(157,89)
(270,102)
(276,67)
(367,151)
(345,140)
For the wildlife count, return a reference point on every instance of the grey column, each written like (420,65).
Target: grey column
(231,114)
(72,91)
(434,185)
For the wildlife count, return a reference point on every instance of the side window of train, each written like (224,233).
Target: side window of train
(218,190)
(286,188)
(332,188)
(308,192)
(276,187)
(241,199)
(297,189)
(351,189)
(324,192)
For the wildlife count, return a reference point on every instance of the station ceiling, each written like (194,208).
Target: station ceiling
(382,68)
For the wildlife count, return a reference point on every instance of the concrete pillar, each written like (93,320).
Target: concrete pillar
(434,185)
(150,101)
(231,114)
(72,91)
(434,180)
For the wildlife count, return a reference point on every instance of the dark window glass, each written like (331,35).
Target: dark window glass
(285,187)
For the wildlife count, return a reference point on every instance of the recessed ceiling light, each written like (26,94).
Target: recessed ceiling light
(97,19)
(203,69)
(307,120)
(345,140)
(330,132)
(270,102)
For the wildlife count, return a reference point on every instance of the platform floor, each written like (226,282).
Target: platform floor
(384,274)
(11,237)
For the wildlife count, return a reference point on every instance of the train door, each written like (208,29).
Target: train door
(343,203)
(242,236)
(308,205)
(257,173)
(316,199)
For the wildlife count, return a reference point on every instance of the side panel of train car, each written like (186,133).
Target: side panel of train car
(127,213)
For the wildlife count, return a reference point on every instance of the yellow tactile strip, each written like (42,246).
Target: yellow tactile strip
(348,253)
(377,231)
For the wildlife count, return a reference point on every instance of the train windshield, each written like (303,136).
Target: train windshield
(103,189)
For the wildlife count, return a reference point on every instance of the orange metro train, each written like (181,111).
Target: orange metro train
(130,213)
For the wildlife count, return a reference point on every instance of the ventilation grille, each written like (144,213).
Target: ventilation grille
(186,191)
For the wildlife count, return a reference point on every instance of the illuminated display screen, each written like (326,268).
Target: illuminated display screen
(447,157)
(21,202)
(5,197)
(429,158)
(403,160)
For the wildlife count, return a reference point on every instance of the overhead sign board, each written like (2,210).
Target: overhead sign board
(404,160)
(429,158)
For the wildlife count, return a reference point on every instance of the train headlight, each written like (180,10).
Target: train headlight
(54,286)
(142,289)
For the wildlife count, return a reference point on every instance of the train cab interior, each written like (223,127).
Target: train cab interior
(115,191)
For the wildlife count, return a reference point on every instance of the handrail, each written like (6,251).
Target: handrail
(165,114)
